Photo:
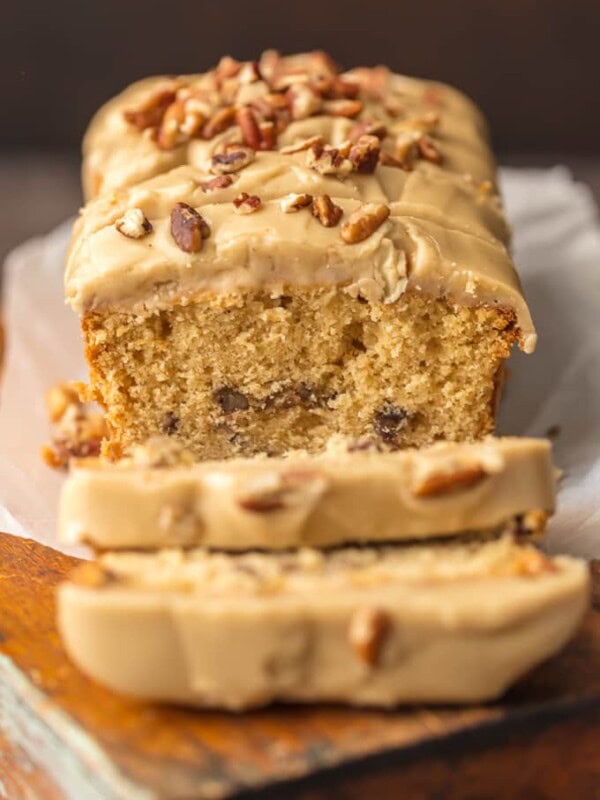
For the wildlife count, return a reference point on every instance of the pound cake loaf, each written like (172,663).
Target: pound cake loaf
(160,497)
(445,623)
(280,252)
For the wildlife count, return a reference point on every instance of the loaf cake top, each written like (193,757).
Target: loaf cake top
(160,497)
(287,172)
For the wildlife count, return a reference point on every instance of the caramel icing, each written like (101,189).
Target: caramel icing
(446,234)
(158,498)
(452,622)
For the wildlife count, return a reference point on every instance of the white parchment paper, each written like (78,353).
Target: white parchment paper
(557,249)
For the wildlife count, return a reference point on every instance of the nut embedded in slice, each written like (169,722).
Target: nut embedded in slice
(364,222)
(134,224)
(247,203)
(326,211)
(438,482)
(188,228)
(294,202)
(232,161)
(367,632)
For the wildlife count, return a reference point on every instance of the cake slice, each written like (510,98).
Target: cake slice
(160,498)
(334,264)
(444,623)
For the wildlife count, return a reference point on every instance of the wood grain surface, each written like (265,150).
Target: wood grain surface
(85,742)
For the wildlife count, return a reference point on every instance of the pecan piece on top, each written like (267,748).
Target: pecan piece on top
(232,160)
(248,124)
(429,150)
(367,632)
(365,128)
(219,122)
(364,153)
(326,211)
(220,182)
(386,160)
(437,482)
(363,222)
(152,111)
(134,224)
(303,101)
(305,144)
(294,202)
(188,228)
(328,160)
(247,203)
(343,108)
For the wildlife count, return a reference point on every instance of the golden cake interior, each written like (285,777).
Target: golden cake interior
(253,372)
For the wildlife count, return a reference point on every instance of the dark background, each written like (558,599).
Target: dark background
(534,67)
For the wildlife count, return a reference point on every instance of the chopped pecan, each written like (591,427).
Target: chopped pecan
(438,482)
(364,153)
(386,160)
(429,150)
(269,61)
(364,222)
(222,119)
(133,224)
(394,107)
(367,632)
(249,127)
(389,420)
(328,160)
(232,161)
(268,135)
(326,211)
(342,88)
(343,108)
(407,149)
(78,430)
(231,400)
(365,128)
(227,67)
(279,491)
(294,202)
(170,134)
(249,72)
(152,111)
(304,144)
(188,228)
(220,182)
(303,101)
(269,105)
(170,423)
(247,203)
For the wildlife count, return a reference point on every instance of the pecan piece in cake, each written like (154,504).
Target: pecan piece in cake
(232,161)
(170,423)
(188,228)
(247,203)
(389,421)
(231,400)
(133,224)
(367,632)
(294,202)
(364,153)
(364,222)
(326,211)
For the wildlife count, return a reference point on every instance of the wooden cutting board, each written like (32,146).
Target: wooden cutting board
(66,738)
